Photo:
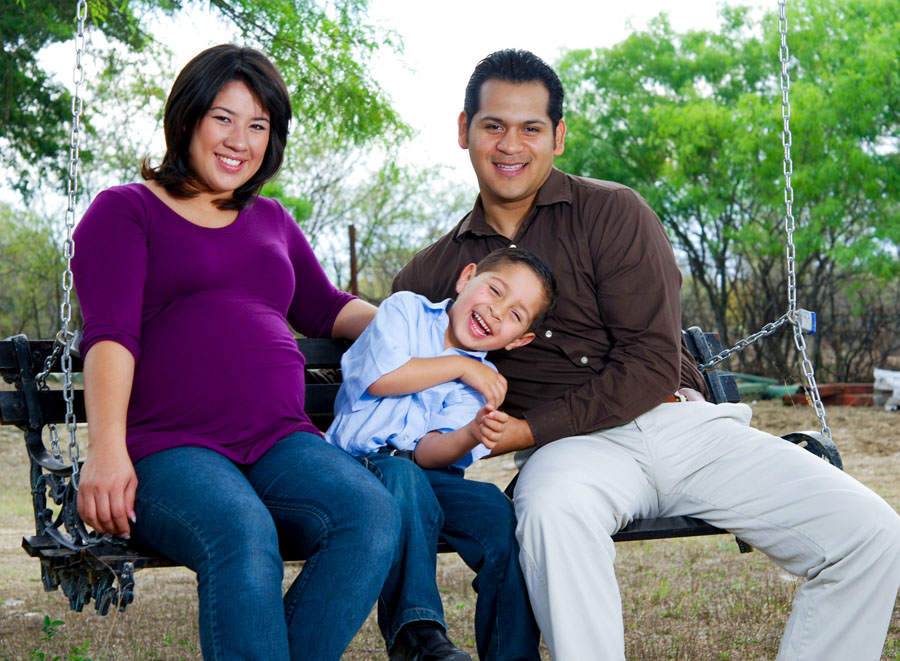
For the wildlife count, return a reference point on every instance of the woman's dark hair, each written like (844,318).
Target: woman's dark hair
(517,256)
(192,96)
(515,66)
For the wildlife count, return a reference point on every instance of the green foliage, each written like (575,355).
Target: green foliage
(36,113)
(34,109)
(693,122)
(50,628)
(31,266)
(322,49)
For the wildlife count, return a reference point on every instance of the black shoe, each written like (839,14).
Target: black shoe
(403,649)
(425,641)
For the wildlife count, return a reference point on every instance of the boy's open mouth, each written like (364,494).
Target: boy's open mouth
(479,327)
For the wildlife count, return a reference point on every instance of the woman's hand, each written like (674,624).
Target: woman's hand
(106,490)
(488,382)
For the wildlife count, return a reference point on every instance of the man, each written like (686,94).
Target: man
(593,394)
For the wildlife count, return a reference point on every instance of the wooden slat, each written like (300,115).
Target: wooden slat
(322,352)
(53,407)
(665,527)
(40,349)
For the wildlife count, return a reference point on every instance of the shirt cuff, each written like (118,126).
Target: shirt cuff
(549,422)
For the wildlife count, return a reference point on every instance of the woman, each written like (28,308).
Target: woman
(199,446)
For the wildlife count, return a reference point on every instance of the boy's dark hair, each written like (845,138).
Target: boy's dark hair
(517,256)
(515,66)
(193,94)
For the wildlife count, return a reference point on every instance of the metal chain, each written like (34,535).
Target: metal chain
(812,388)
(788,167)
(768,329)
(792,315)
(41,380)
(66,337)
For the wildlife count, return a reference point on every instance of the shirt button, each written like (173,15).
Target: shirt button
(584,360)
(512,245)
(548,334)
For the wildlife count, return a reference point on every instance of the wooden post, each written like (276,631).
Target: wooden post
(354,287)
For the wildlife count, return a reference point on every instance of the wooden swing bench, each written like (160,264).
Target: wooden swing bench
(89,566)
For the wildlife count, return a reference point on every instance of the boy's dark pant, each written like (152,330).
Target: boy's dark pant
(477,520)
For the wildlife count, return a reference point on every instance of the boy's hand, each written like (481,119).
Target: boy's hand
(489,383)
(490,424)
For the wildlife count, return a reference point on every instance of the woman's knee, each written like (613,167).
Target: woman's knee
(241,540)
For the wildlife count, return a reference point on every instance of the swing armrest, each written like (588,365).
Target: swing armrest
(817,443)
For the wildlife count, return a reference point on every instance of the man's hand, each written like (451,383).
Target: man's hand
(106,491)
(489,383)
(514,435)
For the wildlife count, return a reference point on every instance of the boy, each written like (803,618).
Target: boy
(417,386)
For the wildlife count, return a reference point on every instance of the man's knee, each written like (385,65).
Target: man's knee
(549,505)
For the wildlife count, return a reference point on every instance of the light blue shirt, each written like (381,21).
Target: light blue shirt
(406,326)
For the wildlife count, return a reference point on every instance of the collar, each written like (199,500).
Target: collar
(557,189)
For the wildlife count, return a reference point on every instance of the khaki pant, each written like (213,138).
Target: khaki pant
(704,460)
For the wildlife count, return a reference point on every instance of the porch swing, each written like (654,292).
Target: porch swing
(89,566)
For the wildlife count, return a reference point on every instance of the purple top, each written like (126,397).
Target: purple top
(204,312)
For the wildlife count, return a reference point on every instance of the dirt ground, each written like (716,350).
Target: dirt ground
(694,599)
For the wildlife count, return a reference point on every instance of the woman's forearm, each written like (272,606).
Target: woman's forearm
(108,376)
(352,320)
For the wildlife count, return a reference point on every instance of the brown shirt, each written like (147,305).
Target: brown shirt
(613,348)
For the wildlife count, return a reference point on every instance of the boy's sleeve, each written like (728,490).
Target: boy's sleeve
(387,344)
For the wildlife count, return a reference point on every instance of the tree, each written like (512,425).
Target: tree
(395,211)
(31,266)
(693,122)
(323,51)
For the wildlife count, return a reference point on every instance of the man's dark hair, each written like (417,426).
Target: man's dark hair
(517,256)
(192,96)
(514,66)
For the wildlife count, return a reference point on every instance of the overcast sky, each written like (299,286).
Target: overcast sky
(443,41)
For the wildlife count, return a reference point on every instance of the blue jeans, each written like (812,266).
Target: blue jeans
(227,522)
(478,522)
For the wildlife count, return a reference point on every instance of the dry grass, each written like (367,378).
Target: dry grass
(693,599)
